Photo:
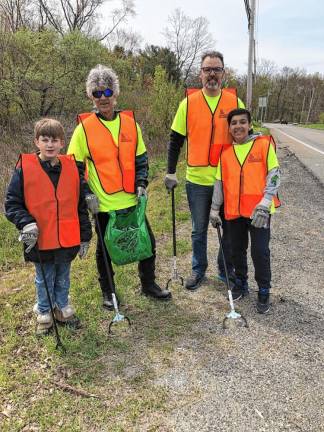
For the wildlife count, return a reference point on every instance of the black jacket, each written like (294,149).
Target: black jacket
(17,213)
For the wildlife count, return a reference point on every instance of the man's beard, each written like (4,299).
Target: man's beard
(213,84)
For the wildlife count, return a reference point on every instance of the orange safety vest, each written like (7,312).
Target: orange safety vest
(207,132)
(243,186)
(55,210)
(115,165)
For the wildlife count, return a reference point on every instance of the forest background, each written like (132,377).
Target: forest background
(47,49)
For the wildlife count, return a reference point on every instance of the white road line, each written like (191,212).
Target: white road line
(301,142)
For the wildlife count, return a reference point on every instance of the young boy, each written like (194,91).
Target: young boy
(247,181)
(45,200)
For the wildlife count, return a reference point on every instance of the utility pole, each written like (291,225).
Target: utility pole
(250,11)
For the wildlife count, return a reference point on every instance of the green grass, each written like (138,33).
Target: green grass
(313,125)
(120,370)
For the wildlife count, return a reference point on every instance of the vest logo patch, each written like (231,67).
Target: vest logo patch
(125,138)
(253,158)
(222,114)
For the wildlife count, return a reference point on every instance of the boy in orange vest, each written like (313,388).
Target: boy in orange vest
(45,200)
(247,182)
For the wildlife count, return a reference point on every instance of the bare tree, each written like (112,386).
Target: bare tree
(187,38)
(127,39)
(15,14)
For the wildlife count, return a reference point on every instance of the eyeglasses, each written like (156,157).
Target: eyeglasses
(209,70)
(98,93)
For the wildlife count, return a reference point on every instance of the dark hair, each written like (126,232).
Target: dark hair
(238,111)
(212,54)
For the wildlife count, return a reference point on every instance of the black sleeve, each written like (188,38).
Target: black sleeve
(141,170)
(85,224)
(15,208)
(81,169)
(174,148)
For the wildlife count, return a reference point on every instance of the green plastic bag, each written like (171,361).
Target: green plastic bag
(126,237)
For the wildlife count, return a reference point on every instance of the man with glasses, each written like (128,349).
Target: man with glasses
(201,121)
(111,144)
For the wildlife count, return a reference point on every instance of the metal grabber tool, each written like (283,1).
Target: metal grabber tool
(118,318)
(232,315)
(175,277)
(59,344)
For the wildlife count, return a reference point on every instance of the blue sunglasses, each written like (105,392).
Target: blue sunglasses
(98,93)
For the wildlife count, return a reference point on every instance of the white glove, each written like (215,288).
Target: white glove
(141,191)
(92,203)
(215,218)
(84,247)
(171,181)
(260,216)
(29,235)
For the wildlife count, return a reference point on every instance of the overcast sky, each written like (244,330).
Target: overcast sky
(288,32)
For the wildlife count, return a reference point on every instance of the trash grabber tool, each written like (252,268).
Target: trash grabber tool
(175,276)
(232,314)
(118,316)
(57,335)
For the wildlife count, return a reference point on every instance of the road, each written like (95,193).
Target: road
(307,144)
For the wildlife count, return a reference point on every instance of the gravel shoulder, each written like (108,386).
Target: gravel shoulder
(268,377)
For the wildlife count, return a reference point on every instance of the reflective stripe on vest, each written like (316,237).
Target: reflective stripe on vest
(115,165)
(243,186)
(208,133)
(55,210)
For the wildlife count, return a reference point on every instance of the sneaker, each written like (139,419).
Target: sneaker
(240,289)
(66,316)
(154,290)
(194,282)
(263,303)
(44,324)
(107,302)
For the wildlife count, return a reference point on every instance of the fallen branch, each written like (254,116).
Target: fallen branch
(74,390)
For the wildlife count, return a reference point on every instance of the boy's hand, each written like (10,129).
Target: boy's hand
(215,218)
(260,216)
(84,247)
(92,203)
(29,235)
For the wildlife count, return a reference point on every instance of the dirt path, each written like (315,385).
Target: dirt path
(268,377)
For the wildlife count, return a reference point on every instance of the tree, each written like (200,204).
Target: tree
(188,38)
(153,56)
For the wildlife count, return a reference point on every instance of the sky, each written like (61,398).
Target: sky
(288,32)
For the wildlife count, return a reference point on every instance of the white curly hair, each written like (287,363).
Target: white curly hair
(102,76)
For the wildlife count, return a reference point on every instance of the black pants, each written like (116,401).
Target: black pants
(146,268)
(239,230)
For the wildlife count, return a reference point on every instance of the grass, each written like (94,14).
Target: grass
(313,125)
(118,370)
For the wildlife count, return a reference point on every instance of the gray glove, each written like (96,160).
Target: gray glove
(260,216)
(141,191)
(84,247)
(92,203)
(215,218)
(29,235)
(171,181)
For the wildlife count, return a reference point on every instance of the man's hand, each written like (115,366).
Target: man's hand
(260,216)
(84,247)
(171,181)
(92,203)
(29,235)
(141,191)
(215,218)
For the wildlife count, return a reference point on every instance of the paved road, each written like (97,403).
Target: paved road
(307,144)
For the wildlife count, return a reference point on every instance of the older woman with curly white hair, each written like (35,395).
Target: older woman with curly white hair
(109,142)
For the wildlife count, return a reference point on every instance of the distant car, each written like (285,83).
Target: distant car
(295,124)
(283,122)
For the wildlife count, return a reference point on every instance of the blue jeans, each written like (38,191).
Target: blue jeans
(199,200)
(58,283)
